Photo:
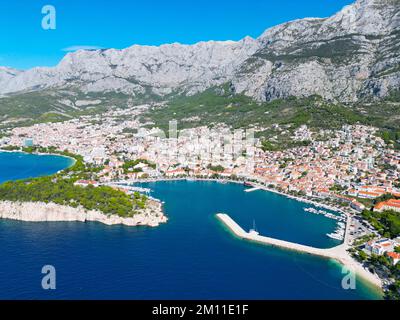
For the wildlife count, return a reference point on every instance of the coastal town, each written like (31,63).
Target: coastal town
(352,171)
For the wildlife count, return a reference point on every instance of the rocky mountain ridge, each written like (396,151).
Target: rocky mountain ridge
(350,56)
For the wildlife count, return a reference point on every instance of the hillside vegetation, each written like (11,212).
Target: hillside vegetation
(220,105)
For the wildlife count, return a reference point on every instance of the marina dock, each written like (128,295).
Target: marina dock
(130,188)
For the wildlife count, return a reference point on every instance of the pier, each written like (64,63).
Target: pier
(252,189)
(333,253)
(131,188)
(338,253)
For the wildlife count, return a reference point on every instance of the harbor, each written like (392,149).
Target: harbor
(338,253)
(340,216)
(326,214)
(341,219)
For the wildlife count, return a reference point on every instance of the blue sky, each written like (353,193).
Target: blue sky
(122,23)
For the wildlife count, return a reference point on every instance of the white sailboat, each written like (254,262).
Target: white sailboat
(254,230)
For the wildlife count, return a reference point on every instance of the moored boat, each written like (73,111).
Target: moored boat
(254,230)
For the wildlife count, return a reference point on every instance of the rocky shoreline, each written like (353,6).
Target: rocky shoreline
(152,216)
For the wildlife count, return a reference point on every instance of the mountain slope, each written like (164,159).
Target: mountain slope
(351,56)
(164,69)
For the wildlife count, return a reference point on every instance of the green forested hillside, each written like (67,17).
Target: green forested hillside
(64,192)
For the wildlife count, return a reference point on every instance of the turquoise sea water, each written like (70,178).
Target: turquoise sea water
(191,257)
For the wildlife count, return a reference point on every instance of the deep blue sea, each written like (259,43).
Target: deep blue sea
(191,257)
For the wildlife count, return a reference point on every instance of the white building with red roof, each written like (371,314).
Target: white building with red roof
(379,247)
(391,204)
(394,257)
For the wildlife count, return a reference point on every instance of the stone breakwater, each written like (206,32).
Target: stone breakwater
(338,253)
(152,216)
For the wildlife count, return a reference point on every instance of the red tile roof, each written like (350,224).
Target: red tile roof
(394,255)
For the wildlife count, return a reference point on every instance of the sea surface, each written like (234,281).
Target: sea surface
(18,165)
(193,256)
